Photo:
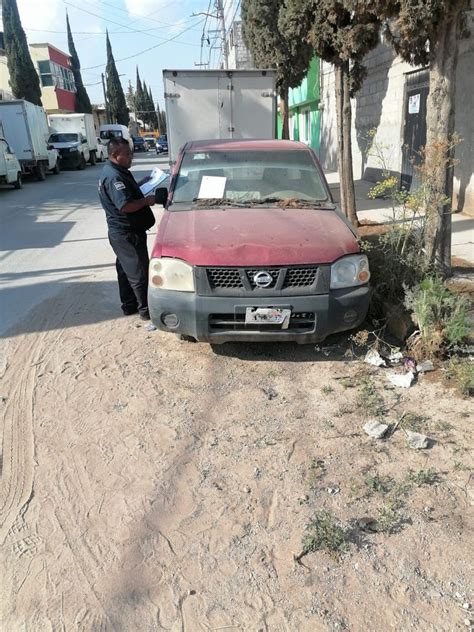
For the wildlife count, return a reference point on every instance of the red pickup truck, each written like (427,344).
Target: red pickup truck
(251,247)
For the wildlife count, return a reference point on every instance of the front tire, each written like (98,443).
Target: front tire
(82,163)
(18,184)
(57,168)
(92,158)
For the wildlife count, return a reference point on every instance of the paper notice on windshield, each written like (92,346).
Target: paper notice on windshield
(212,187)
(156,176)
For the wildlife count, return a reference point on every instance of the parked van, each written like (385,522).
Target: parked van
(114,130)
(10,169)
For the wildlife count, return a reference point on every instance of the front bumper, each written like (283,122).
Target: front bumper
(222,319)
(70,158)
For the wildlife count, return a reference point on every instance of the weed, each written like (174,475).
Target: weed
(346,382)
(370,400)
(272,373)
(414,422)
(423,477)
(376,483)
(459,466)
(388,520)
(461,372)
(327,424)
(443,426)
(324,533)
(440,315)
(344,409)
(327,388)
(316,470)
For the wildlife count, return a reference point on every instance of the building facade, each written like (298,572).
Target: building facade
(239,56)
(58,90)
(392,101)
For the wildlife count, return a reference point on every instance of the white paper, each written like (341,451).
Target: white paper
(414,104)
(405,380)
(212,187)
(156,176)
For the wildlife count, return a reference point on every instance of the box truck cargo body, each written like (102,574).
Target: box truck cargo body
(74,136)
(219,104)
(26,130)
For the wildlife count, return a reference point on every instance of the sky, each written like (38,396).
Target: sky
(134,26)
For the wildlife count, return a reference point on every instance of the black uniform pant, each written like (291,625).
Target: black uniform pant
(132,269)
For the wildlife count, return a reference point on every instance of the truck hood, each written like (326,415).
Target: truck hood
(254,236)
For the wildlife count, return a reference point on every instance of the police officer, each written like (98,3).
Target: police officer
(129,216)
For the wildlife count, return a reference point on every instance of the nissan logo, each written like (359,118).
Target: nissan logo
(263,279)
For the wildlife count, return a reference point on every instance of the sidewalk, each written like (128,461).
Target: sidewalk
(379,210)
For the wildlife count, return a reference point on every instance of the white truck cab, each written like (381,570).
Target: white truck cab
(114,130)
(10,168)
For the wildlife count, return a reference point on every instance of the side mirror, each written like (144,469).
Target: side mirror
(49,147)
(161,196)
(84,141)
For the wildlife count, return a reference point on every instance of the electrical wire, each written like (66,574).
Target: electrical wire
(171,39)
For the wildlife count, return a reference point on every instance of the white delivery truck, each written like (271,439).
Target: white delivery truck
(215,104)
(26,130)
(74,136)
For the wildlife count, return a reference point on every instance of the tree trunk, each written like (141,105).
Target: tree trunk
(439,148)
(284,115)
(344,157)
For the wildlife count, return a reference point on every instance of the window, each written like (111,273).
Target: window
(52,74)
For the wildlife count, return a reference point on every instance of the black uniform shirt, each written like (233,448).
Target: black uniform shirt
(117,187)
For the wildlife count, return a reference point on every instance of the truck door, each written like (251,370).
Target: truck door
(253,106)
(414,133)
(225,89)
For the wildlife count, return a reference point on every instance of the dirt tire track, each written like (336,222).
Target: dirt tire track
(18,438)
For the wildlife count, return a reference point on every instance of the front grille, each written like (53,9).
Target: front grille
(224,277)
(300,277)
(301,322)
(291,277)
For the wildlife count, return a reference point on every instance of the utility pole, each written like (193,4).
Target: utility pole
(105,100)
(221,19)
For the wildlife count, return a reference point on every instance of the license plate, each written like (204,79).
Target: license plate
(267,316)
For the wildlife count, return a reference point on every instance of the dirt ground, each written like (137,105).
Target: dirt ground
(153,484)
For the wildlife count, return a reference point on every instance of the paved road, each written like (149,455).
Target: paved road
(53,233)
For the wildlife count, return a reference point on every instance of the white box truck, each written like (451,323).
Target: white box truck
(26,130)
(75,138)
(215,104)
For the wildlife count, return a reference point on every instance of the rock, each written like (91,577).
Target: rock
(466,606)
(247,489)
(373,357)
(404,380)
(468,622)
(150,327)
(425,366)
(417,441)
(333,490)
(375,429)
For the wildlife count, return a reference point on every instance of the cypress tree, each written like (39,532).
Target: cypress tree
(117,106)
(271,47)
(83,103)
(24,79)
(140,105)
(146,105)
(153,117)
(163,125)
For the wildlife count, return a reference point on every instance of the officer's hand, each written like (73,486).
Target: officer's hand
(150,200)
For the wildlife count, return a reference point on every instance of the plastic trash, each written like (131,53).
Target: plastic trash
(373,357)
(404,380)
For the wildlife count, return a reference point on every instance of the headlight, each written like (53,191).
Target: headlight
(171,274)
(350,271)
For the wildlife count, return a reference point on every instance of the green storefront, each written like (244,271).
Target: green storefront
(303,102)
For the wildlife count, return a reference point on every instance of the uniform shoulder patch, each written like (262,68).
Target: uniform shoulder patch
(119,185)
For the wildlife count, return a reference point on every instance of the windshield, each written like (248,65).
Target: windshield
(137,139)
(63,138)
(107,134)
(249,177)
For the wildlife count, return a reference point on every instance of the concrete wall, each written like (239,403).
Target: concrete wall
(380,104)
(5,90)
(239,54)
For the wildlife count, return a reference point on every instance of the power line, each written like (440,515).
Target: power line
(171,39)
